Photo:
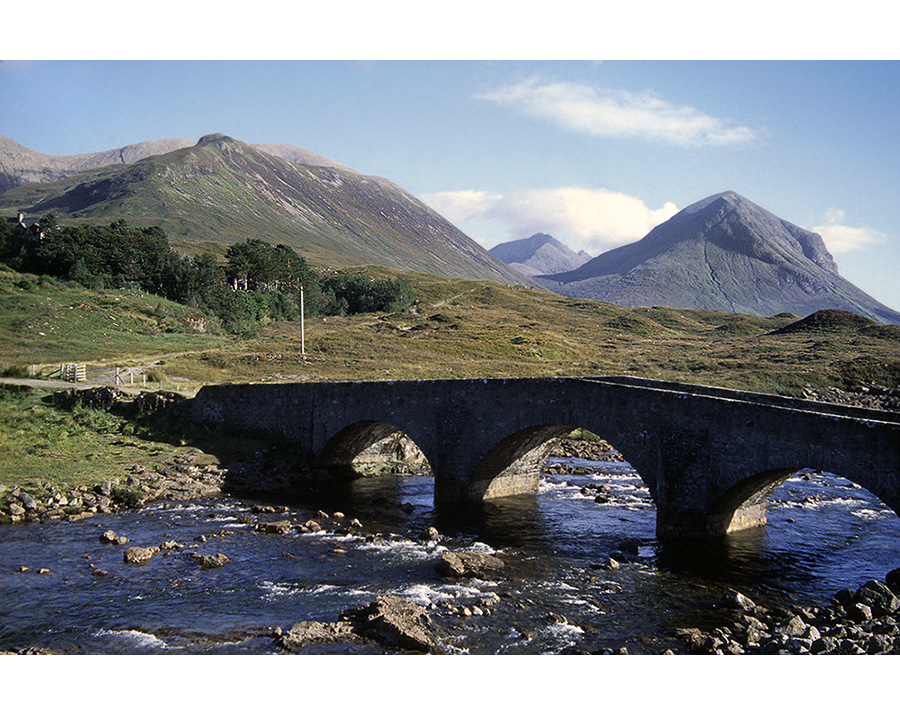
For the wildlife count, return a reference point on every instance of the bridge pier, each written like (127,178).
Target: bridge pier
(700,524)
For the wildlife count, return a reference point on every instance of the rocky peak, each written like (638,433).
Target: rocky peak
(540,253)
(214,138)
(722,253)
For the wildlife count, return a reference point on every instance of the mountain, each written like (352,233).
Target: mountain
(722,253)
(540,254)
(20,165)
(222,191)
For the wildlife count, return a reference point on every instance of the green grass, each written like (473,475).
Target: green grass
(40,443)
(45,322)
(500,331)
(44,444)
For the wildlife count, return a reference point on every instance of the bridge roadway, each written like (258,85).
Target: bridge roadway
(710,457)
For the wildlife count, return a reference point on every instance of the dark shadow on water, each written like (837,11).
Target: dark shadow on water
(510,521)
(743,560)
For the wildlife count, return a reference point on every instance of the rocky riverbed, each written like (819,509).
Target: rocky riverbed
(861,621)
(180,478)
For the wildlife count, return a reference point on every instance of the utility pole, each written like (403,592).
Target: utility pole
(302,324)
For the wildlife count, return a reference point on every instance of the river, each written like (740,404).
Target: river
(78,596)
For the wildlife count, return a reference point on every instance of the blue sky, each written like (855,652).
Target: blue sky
(594,153)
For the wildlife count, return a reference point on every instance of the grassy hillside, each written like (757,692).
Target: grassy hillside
(456,329)
(45,321)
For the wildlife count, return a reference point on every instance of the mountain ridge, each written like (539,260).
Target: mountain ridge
(721,253)
(539,254)
(21,165)
(221,191)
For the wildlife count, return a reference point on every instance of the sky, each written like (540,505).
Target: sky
(593,152)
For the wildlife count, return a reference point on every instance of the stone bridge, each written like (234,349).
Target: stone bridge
(710,457)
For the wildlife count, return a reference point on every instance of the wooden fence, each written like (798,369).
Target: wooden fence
(74,372)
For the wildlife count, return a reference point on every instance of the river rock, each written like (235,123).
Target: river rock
(139,554)
(850,626)
(826,644)
(892,580)
(396,622)
(794,628)
(79,516)
(269,509)
(738,600)
(878,597)
(844,597)
(608,564)
(469,564)
(214,561)
(110,537)
(306,633)
(274,527)
(859,612)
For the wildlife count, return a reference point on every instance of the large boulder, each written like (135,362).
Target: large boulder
(274,527)
(211,561)
(396,622)
(878,597)
(111,537)
(469,564)
(892,580)
(738,600)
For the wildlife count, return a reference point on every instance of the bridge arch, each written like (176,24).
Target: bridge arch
(344,448)
(514,463)
(745,504)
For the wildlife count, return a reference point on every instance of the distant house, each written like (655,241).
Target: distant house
(30,230)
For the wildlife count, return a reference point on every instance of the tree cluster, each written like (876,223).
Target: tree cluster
(257,283)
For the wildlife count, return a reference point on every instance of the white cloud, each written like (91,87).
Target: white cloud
(595,220)
(840,238)
(619,113)
(458,206)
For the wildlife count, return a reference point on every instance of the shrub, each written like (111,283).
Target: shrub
(127,496)
(13,370)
